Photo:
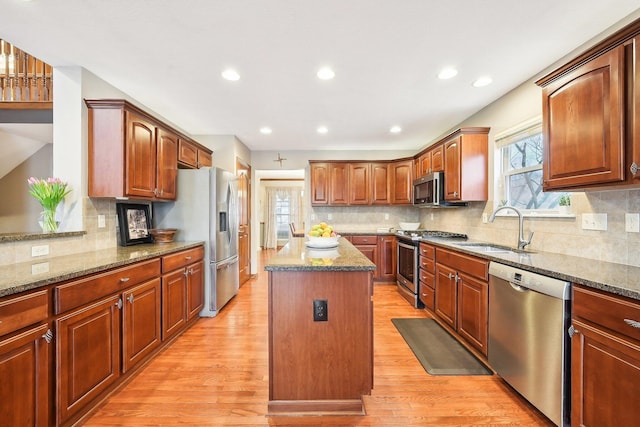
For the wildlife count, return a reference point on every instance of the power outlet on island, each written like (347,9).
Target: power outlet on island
(320,313)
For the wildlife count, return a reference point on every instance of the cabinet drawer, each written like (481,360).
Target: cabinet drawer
(427,278)
(180,259)
(609,311)
(427,296)
(24,310)
(79,292)
(476,267)
(364,240)
(427,251)
(428,264)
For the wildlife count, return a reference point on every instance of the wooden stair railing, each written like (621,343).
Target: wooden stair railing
(23,78)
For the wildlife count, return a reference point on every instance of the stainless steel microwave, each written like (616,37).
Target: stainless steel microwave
(428,192)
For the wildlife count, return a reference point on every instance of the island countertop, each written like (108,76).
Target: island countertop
(296,256)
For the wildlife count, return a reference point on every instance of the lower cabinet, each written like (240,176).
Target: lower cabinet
(381,250)
(605,360)
(24,375)
(182,289)
(140,322)
(462,295)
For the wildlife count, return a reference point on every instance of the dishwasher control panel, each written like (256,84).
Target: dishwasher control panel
(530,280)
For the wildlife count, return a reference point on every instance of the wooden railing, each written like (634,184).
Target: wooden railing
(23,77)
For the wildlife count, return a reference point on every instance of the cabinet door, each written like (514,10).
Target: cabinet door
(167,171)
(359,183)
(87,355)
(424,164)
(204,159)
(386,258)
(452,181)
(195,290)
(319,183)
(473,311)
(187,154)
(380,184)
(634,113)
(437,159)
(339,183)
(174,306)
(401,182)
(583,124)
(24,373)
(605,378)
(141,156)
(446,297)
(140,322)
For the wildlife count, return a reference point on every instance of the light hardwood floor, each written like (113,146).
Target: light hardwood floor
(216,374)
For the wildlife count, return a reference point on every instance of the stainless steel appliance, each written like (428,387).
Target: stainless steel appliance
(529,318)
(206,209)
(428,192)
(407,263)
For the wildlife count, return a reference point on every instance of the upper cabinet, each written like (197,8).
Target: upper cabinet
(344,183)
(591,117)
(191,156)
(131,154)
(466,153)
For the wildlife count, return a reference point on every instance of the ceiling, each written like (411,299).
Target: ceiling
(169,55)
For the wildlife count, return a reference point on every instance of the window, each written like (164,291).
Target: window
(521,178)
(283,217)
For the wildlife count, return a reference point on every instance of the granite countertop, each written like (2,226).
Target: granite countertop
(296,256)
(615,278)
(41,272)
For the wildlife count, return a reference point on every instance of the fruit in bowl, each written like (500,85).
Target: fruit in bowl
(322,235)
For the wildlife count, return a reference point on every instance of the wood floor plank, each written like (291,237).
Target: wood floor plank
(216,374)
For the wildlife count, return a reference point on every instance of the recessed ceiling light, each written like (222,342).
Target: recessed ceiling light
(483,81)
(231,75)
(395,129)
(323,130)
(326,73)
(447,73)
(265,130)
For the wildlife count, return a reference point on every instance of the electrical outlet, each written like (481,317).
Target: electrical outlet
(329,217)
(41,267)
(485,218)
(386,216)
(431,216)
(320,313)
(40,250)
(632,223)
(101,221)
(313,217)
(594,221)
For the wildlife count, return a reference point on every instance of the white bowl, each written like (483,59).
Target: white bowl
(322,242)
(409,225)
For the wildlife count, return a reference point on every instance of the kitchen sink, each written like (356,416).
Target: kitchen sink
(487,247)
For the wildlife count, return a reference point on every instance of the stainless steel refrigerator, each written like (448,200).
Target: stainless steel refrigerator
(206,209)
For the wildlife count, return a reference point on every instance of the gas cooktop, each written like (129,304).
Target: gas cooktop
(419,234)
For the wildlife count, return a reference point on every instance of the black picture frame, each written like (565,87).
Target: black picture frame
(134,221)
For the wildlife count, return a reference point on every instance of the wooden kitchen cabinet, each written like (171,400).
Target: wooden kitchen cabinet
(182,289)
(338,184)
(187,154)
(401,182)
(462,295)
(24,360)
(167,165)
(386,262)
(319,183)
(427,278)
(380,191)
(87,355)
(359,183)
(466,155)
(437,159)
(368,245)
(605,359)
(430,161)
(204,158)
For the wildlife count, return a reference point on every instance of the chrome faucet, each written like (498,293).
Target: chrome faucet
(521,242)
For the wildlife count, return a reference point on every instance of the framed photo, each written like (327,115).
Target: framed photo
(135,222)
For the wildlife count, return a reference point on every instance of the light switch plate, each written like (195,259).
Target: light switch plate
(101,221)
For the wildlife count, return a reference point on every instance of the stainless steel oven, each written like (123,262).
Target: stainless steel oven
(407,276)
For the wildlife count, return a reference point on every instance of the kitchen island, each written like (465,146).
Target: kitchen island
(320,330)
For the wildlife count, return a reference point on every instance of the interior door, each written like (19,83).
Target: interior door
(243,172)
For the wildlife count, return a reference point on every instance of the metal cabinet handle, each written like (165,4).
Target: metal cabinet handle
(634,168)
(48,336)
(124,279)
(119,303)
(632,323)
(451,276)
(187,258)
(130,299)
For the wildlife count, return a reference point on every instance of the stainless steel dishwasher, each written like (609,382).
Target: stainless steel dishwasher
(529,317)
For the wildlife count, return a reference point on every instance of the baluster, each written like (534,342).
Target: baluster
(46,80)
(35,91)
(25,78)
(17,94)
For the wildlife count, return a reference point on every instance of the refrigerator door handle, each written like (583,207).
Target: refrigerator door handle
(221,265)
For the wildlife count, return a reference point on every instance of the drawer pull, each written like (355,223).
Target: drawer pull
(632,323)
(188,258)
(119,303)
(130,299)
(48,336)
(124,279)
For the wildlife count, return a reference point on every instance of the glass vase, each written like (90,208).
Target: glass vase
(48,221)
